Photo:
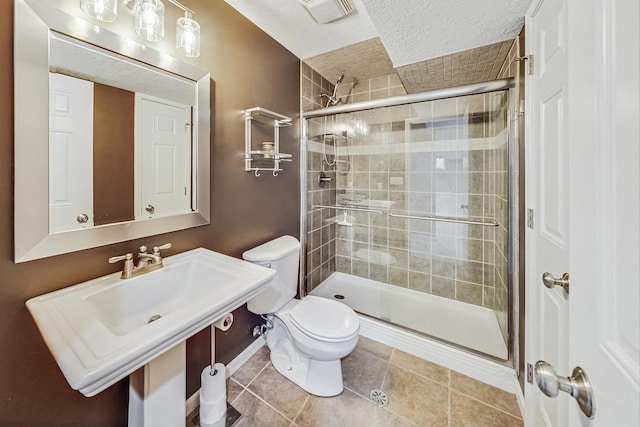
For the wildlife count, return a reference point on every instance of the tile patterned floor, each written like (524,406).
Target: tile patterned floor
(420,394)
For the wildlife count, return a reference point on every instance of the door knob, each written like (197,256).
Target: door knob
(577,385)
(150,208)
(550,281)
(82,218)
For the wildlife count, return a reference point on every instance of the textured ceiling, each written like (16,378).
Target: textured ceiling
(410,30)
(429,43)
(415,30)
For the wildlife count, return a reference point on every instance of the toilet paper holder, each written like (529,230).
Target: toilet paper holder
(213,393)
(225,322)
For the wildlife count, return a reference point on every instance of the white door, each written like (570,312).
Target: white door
(547,177)
(70,153)
(583,180)
(164,157)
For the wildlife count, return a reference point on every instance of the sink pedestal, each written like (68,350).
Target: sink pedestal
(157,390)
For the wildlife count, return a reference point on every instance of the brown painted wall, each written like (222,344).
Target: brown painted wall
(113,183)
(249,69)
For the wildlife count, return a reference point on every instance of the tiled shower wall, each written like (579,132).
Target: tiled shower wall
(321,223)
(441,162)
(462,262)
(321,230)
(367,90)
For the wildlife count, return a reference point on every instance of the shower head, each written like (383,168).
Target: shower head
(331,99)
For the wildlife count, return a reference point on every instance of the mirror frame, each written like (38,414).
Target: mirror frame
(33,21)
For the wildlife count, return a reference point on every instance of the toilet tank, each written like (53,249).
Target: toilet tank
(283,255)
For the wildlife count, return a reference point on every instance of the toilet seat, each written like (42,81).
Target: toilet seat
(324,319)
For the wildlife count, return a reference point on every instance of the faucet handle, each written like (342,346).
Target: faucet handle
(127,268)
(143,249)
(126,257)
(157,249)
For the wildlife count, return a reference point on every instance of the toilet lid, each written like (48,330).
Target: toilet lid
(324,318)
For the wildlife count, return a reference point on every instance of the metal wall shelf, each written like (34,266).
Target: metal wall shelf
(261,157)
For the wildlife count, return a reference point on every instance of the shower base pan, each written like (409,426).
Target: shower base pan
(464,324)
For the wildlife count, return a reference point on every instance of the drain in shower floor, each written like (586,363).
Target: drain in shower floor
(379,397)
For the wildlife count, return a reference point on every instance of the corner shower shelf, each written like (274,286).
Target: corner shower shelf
(259,160)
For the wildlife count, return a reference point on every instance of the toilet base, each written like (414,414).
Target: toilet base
(317,377)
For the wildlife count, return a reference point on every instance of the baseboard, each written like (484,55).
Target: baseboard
(193,401)
(476,367)
(246,354)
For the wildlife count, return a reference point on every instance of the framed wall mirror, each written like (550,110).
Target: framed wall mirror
(111,136)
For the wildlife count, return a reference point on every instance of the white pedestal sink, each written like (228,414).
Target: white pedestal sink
(102,330)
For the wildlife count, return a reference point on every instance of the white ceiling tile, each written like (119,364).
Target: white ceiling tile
(415,30)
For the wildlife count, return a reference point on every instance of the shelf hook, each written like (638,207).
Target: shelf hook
(257,172)
(275,172)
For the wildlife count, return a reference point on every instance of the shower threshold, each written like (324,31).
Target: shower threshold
(464,324)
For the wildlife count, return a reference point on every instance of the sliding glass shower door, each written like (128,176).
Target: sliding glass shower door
(408,216)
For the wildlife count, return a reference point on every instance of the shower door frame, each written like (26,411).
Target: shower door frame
(507,84)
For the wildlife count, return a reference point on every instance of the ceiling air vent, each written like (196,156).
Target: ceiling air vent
(324,11)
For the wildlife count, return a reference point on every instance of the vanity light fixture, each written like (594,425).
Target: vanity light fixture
(188,35)
(103,10)
(149,21)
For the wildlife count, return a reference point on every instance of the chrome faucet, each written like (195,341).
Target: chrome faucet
(146,262)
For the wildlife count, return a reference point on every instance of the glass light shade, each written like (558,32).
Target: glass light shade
(104,10)
(149,20)
(188,37)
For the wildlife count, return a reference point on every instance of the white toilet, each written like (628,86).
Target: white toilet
(308,337)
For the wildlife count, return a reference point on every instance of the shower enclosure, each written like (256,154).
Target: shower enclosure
(407,215)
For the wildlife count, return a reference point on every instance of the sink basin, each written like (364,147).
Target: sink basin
(135,303)
(102,330)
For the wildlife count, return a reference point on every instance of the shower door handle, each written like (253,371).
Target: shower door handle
(550,281)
